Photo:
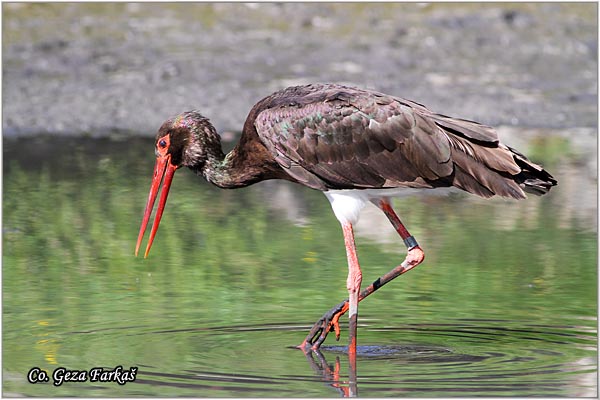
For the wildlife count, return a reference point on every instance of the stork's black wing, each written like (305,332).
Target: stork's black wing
(337,137)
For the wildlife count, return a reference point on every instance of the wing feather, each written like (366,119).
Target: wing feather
(336,137)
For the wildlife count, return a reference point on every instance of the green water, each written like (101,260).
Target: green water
(505,303)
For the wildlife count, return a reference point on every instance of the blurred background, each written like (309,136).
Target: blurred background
(504,305)
(97,68)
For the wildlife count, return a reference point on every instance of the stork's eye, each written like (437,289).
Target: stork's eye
(163,145)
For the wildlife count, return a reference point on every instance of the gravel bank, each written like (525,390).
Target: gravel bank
(106,69)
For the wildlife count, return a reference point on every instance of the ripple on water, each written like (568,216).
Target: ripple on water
(467,358)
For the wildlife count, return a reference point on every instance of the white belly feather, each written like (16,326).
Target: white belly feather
(348,203)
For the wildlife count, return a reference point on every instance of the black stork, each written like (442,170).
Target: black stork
(355,145)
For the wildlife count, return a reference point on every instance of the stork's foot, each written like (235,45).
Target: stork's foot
(330,321)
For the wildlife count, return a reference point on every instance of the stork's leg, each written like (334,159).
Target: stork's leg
(353,285)
(330,320)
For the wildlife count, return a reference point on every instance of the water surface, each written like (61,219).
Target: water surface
(504,304)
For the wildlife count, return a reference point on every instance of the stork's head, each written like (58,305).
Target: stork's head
(182,141)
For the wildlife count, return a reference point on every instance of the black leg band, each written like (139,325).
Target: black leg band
(410,242)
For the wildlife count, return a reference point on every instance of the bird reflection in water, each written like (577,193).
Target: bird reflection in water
(331,374)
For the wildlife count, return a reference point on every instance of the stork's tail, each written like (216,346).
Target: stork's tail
(533,178)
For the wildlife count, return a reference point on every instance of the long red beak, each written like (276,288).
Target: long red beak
(162,163)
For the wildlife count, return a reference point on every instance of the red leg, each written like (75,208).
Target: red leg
(330,320)
(353,286)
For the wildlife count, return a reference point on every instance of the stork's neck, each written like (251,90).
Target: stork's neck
(221,170)
(239,168)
